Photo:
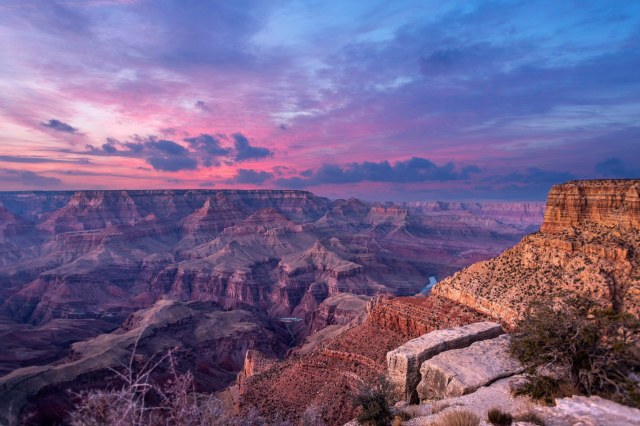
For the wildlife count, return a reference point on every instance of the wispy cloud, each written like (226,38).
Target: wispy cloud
(40,160)
(25,178)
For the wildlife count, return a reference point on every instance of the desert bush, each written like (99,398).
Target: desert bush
(597,348)
(128,406)
(458,418)
(175,403)
(411,411)
(498,417)
(373,400)
(530,417)
(404,415)
(541,388)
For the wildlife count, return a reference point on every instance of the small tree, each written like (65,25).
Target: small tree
(374,399)
(597,349)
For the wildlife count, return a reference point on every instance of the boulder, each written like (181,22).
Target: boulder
(462,371)
(404,363)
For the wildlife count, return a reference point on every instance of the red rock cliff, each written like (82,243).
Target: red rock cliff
(589,244)
(603,202)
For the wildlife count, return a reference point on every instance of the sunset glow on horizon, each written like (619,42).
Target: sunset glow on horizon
(379,100)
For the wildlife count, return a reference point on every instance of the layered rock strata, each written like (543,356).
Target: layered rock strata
(608,203)
(328,375)
(589,245)
(104,254)
(407,315)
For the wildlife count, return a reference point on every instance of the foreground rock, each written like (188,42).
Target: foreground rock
(462,371)
(404,363)
(589,411)
(203,338)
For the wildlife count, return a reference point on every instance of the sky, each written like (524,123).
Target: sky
(381,100)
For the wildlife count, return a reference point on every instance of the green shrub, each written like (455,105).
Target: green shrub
(596,347)
(498,417)
(458,418)
(373,400)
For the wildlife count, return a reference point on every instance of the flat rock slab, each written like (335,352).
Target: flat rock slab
(462,371)
(589,411)
(404,363)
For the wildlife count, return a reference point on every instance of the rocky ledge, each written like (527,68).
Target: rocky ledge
(404,363)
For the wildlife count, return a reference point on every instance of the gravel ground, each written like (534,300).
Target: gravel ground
(497,395)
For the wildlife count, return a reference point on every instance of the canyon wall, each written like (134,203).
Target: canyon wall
(588,244)
(104,254)
(607,203)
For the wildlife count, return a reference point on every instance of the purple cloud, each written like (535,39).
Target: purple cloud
(248,176)
(413,170)
(244,150)
(616,168)
(60,126)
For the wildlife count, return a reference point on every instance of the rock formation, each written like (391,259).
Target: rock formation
(101,255)
(407,314)
(404,363)
(589,244)
(462,371)
(608,203)
(588,411)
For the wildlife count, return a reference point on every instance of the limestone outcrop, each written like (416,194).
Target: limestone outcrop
(461,371)
(403,363)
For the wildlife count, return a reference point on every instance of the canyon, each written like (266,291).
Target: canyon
(104,254)
(78,268)
(283,302)
(587,245)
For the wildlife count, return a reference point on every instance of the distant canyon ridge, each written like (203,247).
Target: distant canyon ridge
(77,264)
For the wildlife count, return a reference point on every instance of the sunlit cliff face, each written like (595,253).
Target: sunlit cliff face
(381,100)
